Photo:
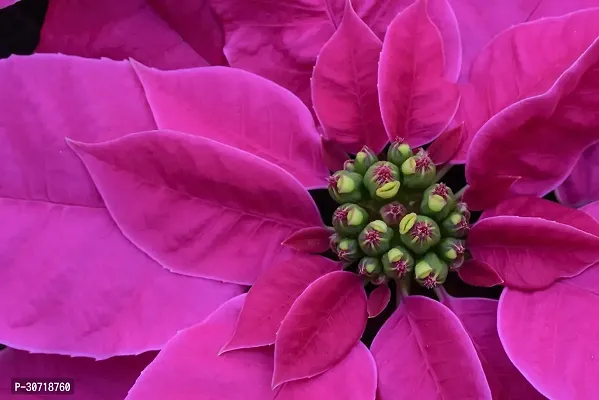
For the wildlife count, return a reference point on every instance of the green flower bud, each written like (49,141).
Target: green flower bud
(431,271)
(364,160)
(451,249)
(349,219)
(382,180)
(371,268)
(375,239)
(399,152)
(456,225)
(419,233)
(348,251)
(437,202)
(397,262)
(418,171)
(334,241)
(393,213)
(349,166)
(462,208)
(345,187)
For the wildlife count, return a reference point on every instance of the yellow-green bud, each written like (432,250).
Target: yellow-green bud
(399,152)
(364,160)
(345,187)
(422,234)
(349,219)
(407,223)
(375,239)
(456,225)
(348,251)
(437,201)
(393,213)
(418,171)
(397,262)
(431,271)
(384,176)
(388,190)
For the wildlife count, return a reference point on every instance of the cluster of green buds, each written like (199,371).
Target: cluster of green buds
(394,220)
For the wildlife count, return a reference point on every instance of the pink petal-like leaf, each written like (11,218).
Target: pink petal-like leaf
(241,110)
(478,273)
(479,318)
(208,209)
(153,32)
(333,155)
(551,132)
(271,297)
(592,209)
(7,3)
(551,335)
(322,326)
(280,40)
(72,283)
(378,300)
(485,194)
(532,252)
(582,186)
(522,61)
(423,352)
(92,380)
(417,102)
(444,148)
(189,366)
(310,240)
(526,206)
(344,86)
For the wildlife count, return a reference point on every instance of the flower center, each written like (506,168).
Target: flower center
(422,231)
(372,238)
(441,189)
(395,210)
(398,140)
(400,267)
(459,249)
(423,163)
(430,281)
(462,227)
(332,182)
(383,174)
(341,214)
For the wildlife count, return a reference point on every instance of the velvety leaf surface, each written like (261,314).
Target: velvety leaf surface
(479,318)
(417,103)
(310,240)
(551,336)
(204,211)
(444,148)
(592,209)
(93,380)
(527,206)
(551,131)
(7,3)
(333,154)
(281,40)
(478,273)
(271,297)
(241,110)
(72,283)
(522,61)
(344,86)
(243,374)
(532,252)
(582,187)
(321,327)
(378,300)
(486,194)
(153,32)
(423,351)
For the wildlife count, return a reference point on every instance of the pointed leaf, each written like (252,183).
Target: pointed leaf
(527,206)
(417,103)
(344,86)
(522,61)
(271,297)
(557,318)
(322,326)
(581,186)
(280,40)
(204,211)
(423,351)
(486,194)
(333,155)
(310,240)
(72,283)
(92,380)
(551,131)
(7,3)
(378,300)
(479,318)
(151,31)
(444,148)
(243,374)
(532,252)
(478,273)
(241,110)
(592,209)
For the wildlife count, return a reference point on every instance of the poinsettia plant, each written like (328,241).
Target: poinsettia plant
(216,201)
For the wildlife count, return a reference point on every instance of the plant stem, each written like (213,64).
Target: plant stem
(442,172)
(440,292)
(460,192)
(402,289)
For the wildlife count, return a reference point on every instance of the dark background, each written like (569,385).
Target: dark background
(20,26)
